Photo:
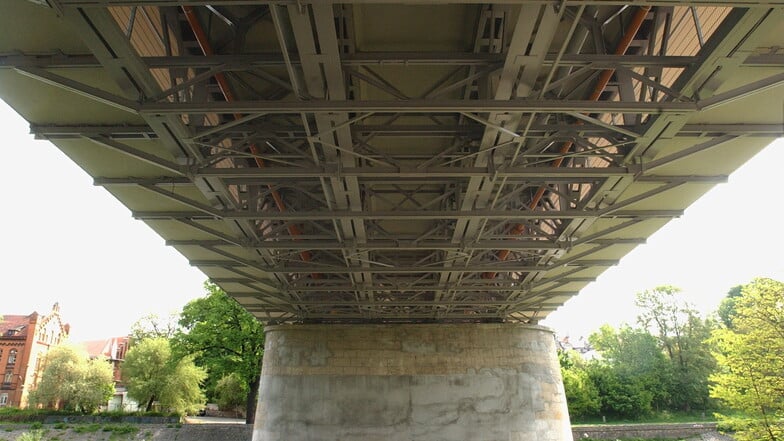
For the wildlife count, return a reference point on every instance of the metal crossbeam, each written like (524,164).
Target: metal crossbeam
(405,214)
(506,267)
(418,106)
(486,177)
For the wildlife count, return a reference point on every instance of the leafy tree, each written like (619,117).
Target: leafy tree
(750,354)
(152,374)
(726,310)
(582,396)
(152,326)
(225,339)
(620,395)
(72,381)
(682,335)
(631,373)
(231,392)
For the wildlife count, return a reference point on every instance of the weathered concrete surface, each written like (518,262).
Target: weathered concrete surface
(477,382)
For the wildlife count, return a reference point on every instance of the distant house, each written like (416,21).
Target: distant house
(113,350)
(582,347)
(24,342)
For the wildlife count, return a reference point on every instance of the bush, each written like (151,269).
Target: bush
(121,429)
(35,435)
(87,428)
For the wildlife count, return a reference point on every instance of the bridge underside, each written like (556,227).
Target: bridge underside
(373,161)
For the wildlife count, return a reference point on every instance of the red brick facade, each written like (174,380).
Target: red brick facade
(24,342)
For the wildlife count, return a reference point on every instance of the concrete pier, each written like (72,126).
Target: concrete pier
(456,382)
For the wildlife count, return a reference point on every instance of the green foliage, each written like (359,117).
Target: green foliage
(154,326)
(72,381)
(152,374)
(121,428)
(225,339)
(87,428)
(726,310)
(35,435)
(631,373)
(621,396)
(231,392)
(582,396)
(750,354)
(682,335)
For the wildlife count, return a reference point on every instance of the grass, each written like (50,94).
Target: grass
(14,414)
(87,428)
(120,430)
(35,435)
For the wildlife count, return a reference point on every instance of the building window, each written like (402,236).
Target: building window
(12,356)
(9,376)
(3,399)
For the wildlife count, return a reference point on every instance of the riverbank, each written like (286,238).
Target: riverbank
(205,430)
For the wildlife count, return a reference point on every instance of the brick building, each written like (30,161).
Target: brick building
(24,342)
(113,350)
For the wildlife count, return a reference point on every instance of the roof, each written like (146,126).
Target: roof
(18,322)
(108,347)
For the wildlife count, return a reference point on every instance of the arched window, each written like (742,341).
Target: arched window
(12,356)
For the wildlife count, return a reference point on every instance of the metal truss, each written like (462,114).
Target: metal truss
(317,174)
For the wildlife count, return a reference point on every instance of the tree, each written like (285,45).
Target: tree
(620,395)
(682,335)
(152,326)
(727,306)
(582,396)
(225,339)
(632,372)
(231,392)
(750,354)
(152,374)
(71,381)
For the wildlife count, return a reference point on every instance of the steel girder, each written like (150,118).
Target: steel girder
(353,176)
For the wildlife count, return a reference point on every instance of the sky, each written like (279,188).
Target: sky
(65,240)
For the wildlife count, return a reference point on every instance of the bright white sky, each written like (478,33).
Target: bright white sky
(64,240)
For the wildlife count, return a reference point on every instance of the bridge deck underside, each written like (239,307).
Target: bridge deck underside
(375,161)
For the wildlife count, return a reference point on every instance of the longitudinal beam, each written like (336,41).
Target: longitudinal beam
(506,267)
(406,215)
(444,245)
(418,106)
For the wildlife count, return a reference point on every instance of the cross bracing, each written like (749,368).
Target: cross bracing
(393,161)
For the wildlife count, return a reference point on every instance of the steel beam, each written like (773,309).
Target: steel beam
(418,106)
(403,245)
(327,215)
(505,267)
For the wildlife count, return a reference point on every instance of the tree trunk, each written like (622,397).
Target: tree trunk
(250,404)
(149,403)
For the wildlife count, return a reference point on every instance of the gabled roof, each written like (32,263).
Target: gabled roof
(109,348)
